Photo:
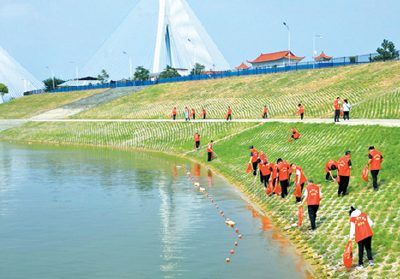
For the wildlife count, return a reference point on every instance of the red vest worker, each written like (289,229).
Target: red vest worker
(210,151)
(197,140)
(174,114)
(300,179)
(264,169)
(295,135)
(344,173)
(265,113)
(301,111)
(204,114)
(229,115)
(283,176)
(374,161)
(330,166)
(312,195)
(254,159)
(336,105)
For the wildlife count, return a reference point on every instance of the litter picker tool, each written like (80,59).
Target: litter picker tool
(216,154)
(288,195)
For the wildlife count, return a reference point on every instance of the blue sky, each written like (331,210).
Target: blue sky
(41,33)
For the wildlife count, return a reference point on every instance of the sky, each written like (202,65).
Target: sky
(42,33)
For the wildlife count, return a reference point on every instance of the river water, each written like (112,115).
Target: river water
(75,212)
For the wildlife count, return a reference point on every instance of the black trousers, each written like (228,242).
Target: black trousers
(204,116)
(229,117)
(299,199)
(209,156)
(264,179)
(197,144)
(343,183)
(194,116)
(367,244)
(327,176)
(302,116)
(265,115)
(255,168)
(274,181)
(187,119)
(374,174)
(337,115)
(284,186)
(174,116)
(312,213)
(346,115)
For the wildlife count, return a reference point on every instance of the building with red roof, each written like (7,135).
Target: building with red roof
(242,67)
(276,58)
(322,58)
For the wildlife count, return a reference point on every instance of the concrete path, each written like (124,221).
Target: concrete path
(11,123)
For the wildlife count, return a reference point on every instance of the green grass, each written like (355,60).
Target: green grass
(29,106)
(318,144)
(382,106)
(247,95)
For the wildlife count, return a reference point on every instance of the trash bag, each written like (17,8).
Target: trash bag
(226,117)
(365,173)
(249,168)
(341,113)
(278,189)
(171,115)
(348,255)
(297,192)
(288,140)
(270,188)
(301,215)
(297,113)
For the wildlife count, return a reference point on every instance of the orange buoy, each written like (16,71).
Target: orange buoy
(232,252)
(212,200)
(237,230)
(221,212)
(228,260)
(236,243)
(240,236)
(206,195)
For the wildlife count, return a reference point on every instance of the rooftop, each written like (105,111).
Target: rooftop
(276,56)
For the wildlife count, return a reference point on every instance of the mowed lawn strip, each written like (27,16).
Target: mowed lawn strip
(28,106)
(247,95)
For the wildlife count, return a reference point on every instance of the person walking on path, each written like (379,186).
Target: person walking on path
(301,111)
(374,161)
(187,116)
(265,113)
(210,151)
(204,114)
(229,115)
(283,175)
(313,196)
(254,159)
(300,179)
(197,140)
(264,169)
(360,228)
(193,114)
(336,105)
(330,166)
(295,135)
(346,110)
(344,173)
(174,114)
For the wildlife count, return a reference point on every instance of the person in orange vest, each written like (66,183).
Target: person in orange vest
(330,166)
(301,111)
(374,161)
(360,228)
(264,169)
(193,114)
(254,159)
(229,115)
(295,135)
(265,115)
(283,176)
(299,180)
(210,151)
(336,105)
(187,114)
(274,174)
(174,114)
(313,196)
(197,140)
(344,173)
(204,114)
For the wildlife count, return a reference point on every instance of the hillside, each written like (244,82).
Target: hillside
(318,144)
(247,95)
(28,106)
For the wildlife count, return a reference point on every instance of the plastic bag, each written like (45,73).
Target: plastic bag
(278,189)
(348,255)
(297,113)
(301,215)
(365,173)
(341,113)
(270,188)
(297,192)
(249,168)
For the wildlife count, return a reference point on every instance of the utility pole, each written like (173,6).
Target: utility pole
(315,52)
(289,38)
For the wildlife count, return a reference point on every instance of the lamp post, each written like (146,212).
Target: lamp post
(52,76)
(130,64)
(77,73)
(315,52)
(289,38)
(194,56)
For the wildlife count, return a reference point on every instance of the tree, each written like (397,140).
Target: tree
(103,76)
(141,74)
(3,90)
(48,83)
(169,73)
(198,69)
(387,51)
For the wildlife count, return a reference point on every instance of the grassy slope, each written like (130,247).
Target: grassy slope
(319,143)
(29,106)
(247,95)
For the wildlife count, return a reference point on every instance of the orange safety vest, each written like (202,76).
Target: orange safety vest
(313,197)
(344,169)
(196,137)
(363,229)
(336,104)
(255,155)
(283,168)
(174,112)
(376,159)
(193,111)
(209,147)
(229,111)
(329,165)
(265,110)
(204,111)
(296,134)
(274,168)
(301,109)
(303,178)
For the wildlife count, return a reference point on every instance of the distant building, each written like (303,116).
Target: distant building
(242,67)
(276,58)
(85,81)
(322,58)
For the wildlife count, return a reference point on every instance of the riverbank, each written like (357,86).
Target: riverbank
(319,143)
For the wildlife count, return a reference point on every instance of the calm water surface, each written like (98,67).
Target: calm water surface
(69,212)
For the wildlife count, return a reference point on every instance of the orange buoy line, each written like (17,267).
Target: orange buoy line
(230,223)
